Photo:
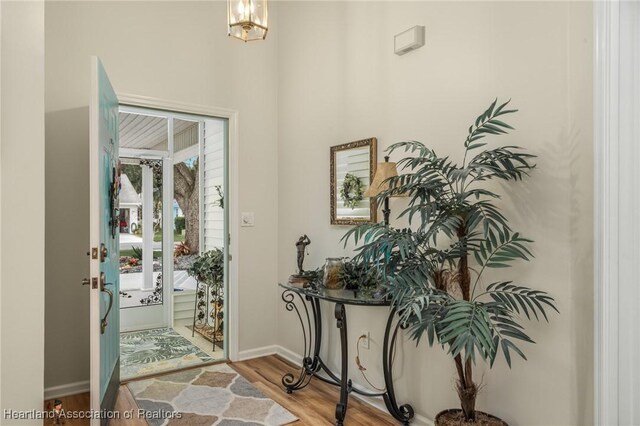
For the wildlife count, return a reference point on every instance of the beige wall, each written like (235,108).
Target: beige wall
(177,51)
(340,81)
(22,207)
(331,81)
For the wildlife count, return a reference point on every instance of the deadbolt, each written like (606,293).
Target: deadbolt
(103,252)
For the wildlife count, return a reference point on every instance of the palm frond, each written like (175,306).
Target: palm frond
(498,252)
(521,299)
(506,329)
(487,123)
(466,328)
(505,163)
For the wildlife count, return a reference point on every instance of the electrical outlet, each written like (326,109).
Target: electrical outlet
(365,342)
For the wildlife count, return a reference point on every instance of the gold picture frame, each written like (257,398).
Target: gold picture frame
(353,158)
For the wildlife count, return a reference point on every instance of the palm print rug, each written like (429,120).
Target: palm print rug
(156,351)
(215,395)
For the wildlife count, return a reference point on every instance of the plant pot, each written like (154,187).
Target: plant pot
(454,417)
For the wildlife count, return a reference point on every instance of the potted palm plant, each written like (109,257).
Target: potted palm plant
(435,270)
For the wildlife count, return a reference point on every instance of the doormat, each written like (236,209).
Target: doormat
(215,395)
(157,351)
(207,332)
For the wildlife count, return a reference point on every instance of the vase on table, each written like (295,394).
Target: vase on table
(333,273)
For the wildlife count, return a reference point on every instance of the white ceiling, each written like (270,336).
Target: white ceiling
(146,131)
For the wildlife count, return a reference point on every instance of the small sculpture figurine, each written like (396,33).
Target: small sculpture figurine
(301,245)
(301,278)
(57,413)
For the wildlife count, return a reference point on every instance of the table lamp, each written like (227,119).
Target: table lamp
(380,184)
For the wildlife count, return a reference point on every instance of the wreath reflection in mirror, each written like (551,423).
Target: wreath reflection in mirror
(351,191)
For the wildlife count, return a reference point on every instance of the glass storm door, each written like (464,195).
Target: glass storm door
(144,289)
(104,259)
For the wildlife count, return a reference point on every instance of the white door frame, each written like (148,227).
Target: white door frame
(147,231)
(616,204)
(233,200)
(146,317)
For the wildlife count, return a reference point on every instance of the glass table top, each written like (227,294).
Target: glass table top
(348,297)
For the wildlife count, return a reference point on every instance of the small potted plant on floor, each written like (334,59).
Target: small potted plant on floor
(436,269)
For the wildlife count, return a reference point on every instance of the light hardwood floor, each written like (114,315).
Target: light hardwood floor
(314,405)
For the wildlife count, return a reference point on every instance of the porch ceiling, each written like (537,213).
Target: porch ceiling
(148,132)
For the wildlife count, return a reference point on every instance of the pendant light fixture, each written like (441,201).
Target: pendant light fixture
(247,19)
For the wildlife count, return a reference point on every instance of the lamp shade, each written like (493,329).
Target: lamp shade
(247,19)
(383,171)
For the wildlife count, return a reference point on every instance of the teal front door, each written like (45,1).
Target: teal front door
(104,239)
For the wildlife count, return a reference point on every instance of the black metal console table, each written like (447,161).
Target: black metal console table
(312,363)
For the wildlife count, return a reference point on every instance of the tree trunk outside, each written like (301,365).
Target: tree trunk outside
(187,195)
(192,222)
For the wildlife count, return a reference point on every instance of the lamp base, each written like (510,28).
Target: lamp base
(386,211)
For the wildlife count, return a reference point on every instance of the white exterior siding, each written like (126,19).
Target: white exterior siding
(213,167)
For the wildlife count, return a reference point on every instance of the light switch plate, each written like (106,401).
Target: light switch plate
(247,219)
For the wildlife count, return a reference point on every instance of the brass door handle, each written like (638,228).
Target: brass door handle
(103,323)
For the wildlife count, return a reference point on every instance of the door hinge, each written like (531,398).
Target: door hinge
(94,252)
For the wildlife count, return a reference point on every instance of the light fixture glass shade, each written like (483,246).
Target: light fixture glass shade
(247,19)
(383,171)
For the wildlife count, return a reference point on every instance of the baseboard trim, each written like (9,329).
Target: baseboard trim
(66,390)
(289,355)
(376,402)
(257,352)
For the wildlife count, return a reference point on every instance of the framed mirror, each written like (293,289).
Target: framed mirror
(352,168)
